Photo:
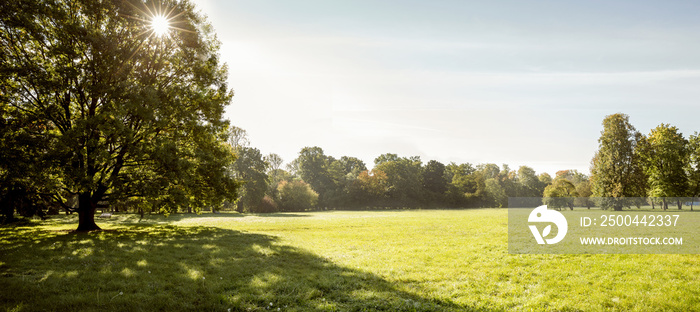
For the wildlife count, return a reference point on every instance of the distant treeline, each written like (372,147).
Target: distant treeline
(315,180)
(660,165)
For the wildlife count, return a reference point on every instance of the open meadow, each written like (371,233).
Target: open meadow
(394,260)
(409,108)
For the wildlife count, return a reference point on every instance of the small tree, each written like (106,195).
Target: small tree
(266,205)
(370,188)
(296,196)
(560,194)
(584,193)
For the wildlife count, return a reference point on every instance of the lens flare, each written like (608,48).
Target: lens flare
(160,25)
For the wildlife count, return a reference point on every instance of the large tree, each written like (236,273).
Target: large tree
(251,170)
(403,177)
(664,158)
(495,193)
(545,179)
(323,173)
(352,166)
(615,169)
(529,184)
(369,188)
(123,109)
(466,186)
(434,177)
(498,184)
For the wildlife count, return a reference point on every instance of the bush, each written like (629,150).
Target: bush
(267,205)
(296,196)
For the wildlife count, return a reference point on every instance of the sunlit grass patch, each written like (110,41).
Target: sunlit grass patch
(388,260)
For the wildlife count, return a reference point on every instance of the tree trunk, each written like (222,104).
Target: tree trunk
(8,211)
(692,202)
(617,204)
(8,204)
(680,205)
(665,204)
(86,213)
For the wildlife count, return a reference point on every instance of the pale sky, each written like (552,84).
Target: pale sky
(514,82)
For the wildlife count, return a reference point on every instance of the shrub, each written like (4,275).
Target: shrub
(296,196)
(267,205)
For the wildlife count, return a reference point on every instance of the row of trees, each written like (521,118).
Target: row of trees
(663,164)
(317,180)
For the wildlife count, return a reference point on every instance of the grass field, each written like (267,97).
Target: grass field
(420,260)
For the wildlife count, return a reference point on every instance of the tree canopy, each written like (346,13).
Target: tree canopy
(112,110)
(615,169)
(664,157)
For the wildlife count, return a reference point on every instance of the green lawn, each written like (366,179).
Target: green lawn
(420,260)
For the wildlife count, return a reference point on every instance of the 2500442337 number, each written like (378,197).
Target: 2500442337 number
(639,220)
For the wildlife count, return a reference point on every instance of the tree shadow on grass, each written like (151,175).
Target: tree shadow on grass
(181,216)
(134,218)
(147,268)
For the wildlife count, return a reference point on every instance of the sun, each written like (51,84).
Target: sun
(160,25)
